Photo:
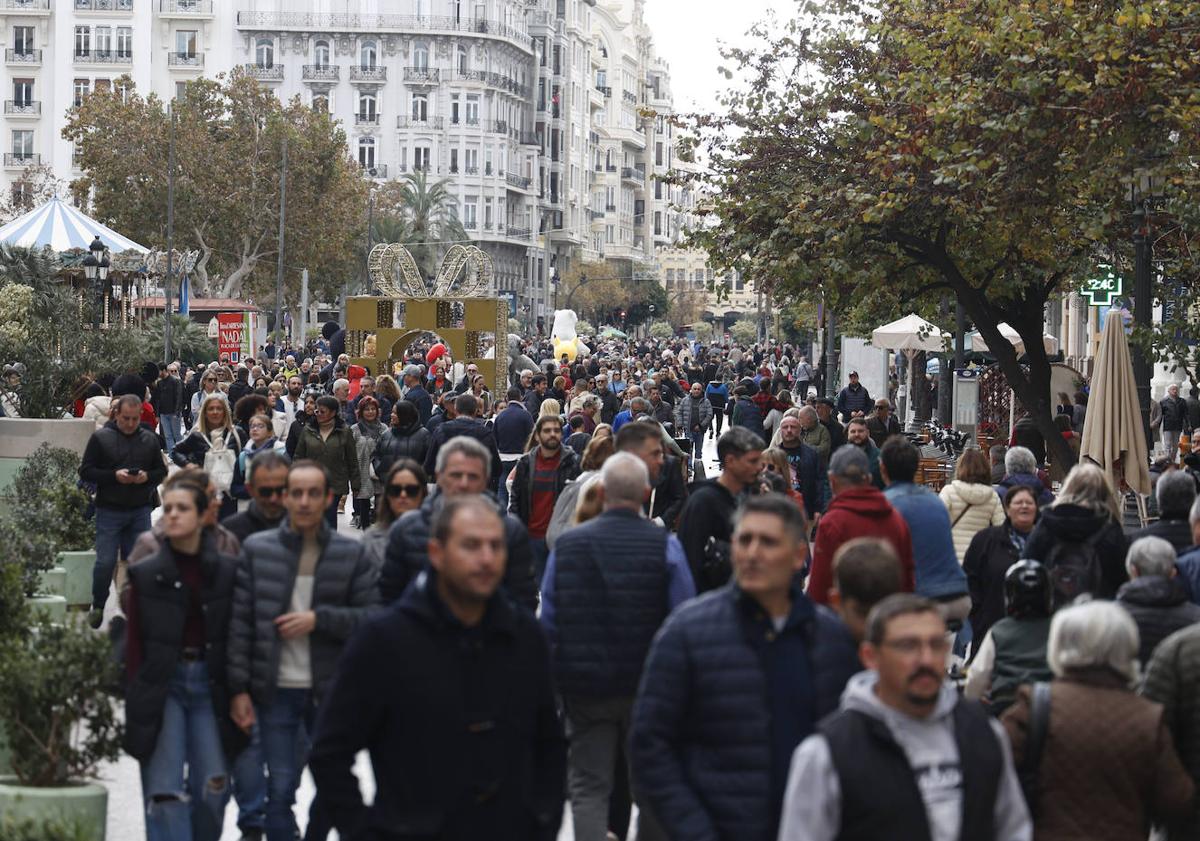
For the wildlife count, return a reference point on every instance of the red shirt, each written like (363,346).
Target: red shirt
(541,493)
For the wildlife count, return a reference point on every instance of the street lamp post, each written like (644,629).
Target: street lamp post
(1142,294)
(95,269)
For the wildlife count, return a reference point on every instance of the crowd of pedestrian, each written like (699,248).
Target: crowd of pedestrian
(552,600)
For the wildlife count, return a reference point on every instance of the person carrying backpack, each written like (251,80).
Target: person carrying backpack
(1079,538)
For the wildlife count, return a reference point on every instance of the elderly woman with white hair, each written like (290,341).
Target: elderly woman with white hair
(1155,596)
(1079,538)
(1107,768)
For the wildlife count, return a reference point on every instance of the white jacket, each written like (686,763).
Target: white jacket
(97,409)
(973,507)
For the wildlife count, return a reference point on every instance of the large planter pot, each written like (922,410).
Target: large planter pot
(54,582)
(20,438)
(55,607)
(84,805)
(79,576)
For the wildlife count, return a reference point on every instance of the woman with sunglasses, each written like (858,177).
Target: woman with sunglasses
(213,444)
(404,487)
(262,438)
(208,386)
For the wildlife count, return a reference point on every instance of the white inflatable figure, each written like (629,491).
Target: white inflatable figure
(517,361)
(566,340)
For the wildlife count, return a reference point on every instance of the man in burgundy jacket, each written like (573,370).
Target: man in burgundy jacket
(858,509)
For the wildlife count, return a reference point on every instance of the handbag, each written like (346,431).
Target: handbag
(219,463)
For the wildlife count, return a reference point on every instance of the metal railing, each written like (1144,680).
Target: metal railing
(32,108)
(17,159)
(24,57)
(320,72)
(470,170)
(498,126)
(633,174)
(518,181)
(185,7)
(366,119)
(629,97)
(435,123)
(519,233)
(495,80)
(422,75)
(185,59)
(321,21)
(274,73)
(104,5)
(103,57)
(376,171)
(368,74)
(25,5)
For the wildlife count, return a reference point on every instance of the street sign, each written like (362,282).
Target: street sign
(1101,290)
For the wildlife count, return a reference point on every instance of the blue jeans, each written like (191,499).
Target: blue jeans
(191,809)
(541,554)
(171,430)
(331,514)
(286,727)
(116,530)
(250,784)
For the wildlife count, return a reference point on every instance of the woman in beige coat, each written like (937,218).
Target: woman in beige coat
(971,500)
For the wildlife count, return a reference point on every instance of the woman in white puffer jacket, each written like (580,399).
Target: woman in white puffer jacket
(971,500)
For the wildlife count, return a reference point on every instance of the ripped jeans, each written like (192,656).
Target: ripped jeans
(191,807)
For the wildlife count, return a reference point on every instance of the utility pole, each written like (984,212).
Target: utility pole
(303,334)
(1143,300)
(831,383)
(167,288)
(279,263)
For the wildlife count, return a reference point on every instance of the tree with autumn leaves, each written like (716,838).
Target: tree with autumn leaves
(228,153)
(895,154)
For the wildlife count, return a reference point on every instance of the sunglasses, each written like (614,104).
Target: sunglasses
(272,491)
(410,491)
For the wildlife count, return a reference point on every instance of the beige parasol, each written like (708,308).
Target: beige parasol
(1112,434)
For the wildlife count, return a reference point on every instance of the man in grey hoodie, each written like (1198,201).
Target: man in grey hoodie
(904,757)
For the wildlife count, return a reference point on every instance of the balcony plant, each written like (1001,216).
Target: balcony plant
(60,724)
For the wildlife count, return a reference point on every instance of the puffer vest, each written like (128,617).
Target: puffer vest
(610,594)
(162,601)
(1020,658)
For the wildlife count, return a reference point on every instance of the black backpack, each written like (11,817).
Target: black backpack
(1075,568)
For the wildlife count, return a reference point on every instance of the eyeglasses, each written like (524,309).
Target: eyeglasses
(910,646)
(410,491)
(277,490)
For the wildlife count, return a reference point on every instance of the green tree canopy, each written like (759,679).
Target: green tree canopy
(228,142)
(421,215)
(891,154)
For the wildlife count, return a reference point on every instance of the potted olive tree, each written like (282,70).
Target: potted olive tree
(61,723)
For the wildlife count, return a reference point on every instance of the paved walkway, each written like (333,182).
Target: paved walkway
(125,810)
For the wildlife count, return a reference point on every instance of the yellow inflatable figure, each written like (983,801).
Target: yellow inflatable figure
(563,335)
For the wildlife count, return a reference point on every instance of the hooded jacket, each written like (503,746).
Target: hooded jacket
(858,512)
(968,803)
(972,507)
(1160,606)
(1076,524)
(411,441)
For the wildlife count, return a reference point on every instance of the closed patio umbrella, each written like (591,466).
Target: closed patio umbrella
(911,335)
(1113,436)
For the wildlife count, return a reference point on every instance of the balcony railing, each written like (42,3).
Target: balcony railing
(471,170)
(519,233)
(320,72)
(104,5)
(529,138)
(632,174)
(422,75)
(322,21)
(610,167)
(435,123)
(25,5)
(263,73)
(498,126)
(185,7)
(611,208)
(366,119)
(23,109)
(376,171)
(103,57)
(24,57)
(472,121)
(495,80)
(21,159)
(185,59)
(629,97)
(366,74)
(518,181)
(604,89)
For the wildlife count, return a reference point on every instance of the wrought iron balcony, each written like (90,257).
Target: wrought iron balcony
(434,123)
(368,74)
(104,5)
(21,159)
(185,7)
(103,57)
(25,5)
(374,23)
(376,171)
(265,73)
(24,57)
(422,75)
(33,108)
(518,181)
(633,174)
(185,59)
(371,119)
(519,233)
(320,72)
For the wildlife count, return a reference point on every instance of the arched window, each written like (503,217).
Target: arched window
(264,52)
(321,54)
(366,152)
(462,60)
(368,55)
(421,57)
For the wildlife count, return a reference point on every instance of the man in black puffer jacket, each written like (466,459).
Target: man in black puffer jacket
(302,590)
(463,468)
(1154,595)
(735,680)
(465,423)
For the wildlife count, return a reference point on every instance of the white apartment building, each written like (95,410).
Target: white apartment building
(540,113)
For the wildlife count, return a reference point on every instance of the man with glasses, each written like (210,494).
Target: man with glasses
(302,590)
(265,481)
(902,729)
(771,664)
(464,385)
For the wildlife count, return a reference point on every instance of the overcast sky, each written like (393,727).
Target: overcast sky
(687,33)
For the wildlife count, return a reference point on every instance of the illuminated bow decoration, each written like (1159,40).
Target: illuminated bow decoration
(387,262)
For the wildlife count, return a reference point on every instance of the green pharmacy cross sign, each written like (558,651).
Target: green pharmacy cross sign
(1100,291)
